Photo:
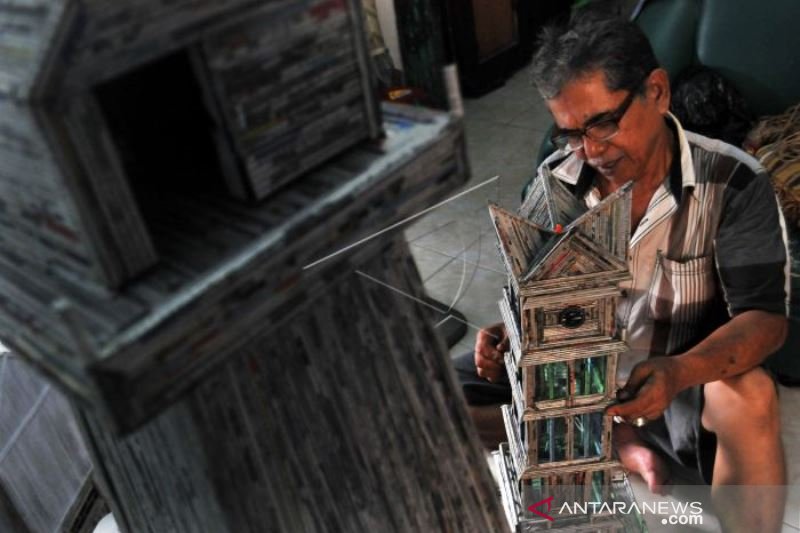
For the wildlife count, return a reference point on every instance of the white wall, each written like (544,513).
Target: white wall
(388,23)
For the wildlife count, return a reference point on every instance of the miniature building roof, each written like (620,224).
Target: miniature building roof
(113,112)
(71,45)
(594,242)
(548,202)
(520,240)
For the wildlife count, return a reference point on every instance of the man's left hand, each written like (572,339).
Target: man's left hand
(651,387)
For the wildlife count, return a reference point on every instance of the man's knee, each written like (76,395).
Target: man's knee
(749,399)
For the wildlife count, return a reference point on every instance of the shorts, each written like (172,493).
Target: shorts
(679,434)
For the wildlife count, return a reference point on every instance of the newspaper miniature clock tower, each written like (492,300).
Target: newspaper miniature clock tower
(559,310)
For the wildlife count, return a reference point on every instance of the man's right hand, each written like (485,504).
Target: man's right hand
(490,346)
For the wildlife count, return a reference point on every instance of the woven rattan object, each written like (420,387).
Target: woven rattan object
(777,143)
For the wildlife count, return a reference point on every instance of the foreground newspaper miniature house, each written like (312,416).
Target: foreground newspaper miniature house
(233,361)
(559,307)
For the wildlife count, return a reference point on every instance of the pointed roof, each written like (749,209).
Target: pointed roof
(594,242)
(608,224)
(520,240)
(549,202)
(572,254)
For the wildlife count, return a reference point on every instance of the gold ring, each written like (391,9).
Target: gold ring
(639,421)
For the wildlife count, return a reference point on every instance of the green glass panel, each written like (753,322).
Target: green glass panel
(590,376)
(551,381)
(552,434)
(533,488)
(597,485)
(587,435)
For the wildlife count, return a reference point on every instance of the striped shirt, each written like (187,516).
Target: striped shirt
(711,244)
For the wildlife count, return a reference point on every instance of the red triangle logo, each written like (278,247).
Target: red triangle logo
(549,502)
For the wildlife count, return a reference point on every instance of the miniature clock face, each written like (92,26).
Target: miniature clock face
(572,317)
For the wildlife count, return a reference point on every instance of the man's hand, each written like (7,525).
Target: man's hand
(490,345)
(651,387)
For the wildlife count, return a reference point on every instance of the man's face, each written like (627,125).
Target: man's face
(629,153)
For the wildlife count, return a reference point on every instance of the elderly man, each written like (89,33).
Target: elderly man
(708,299)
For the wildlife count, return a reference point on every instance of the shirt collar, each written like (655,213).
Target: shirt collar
(580,177)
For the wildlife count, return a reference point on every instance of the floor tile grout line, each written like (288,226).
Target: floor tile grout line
(463,250)
(452,257)
(460,218)
(434,230)
(448,223)
(414,298)
(402,222)
(460,291)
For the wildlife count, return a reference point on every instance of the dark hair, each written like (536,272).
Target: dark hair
(589,42)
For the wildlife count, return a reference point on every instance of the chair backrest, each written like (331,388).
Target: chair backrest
(756,46)
(671,27)
(752,44)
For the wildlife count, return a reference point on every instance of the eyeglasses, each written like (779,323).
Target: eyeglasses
(600,130)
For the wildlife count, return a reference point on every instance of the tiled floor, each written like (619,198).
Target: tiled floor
(454,246)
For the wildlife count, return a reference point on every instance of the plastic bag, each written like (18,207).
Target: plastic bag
(708,104)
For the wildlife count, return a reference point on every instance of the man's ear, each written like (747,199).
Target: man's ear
(657,87)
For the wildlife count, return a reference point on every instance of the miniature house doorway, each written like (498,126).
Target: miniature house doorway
(163,134)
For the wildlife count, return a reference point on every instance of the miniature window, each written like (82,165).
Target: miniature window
(552,382)
(587,435)
(599,488)
(590,376)
(576,487)
(552,433)
(555,443)
(553,379)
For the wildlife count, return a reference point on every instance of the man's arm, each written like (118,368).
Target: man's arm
(490,346)
(739,345)
(751,261)
(732,349)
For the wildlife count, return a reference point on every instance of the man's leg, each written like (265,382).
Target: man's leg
(488,419)
(749,470)
(483,400)
(638,457)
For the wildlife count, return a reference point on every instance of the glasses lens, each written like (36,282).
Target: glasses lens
(602,131)
(573,142)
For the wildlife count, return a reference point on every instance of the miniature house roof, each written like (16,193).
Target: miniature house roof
(113,112)
(595,242)
(71,45)
(548,202)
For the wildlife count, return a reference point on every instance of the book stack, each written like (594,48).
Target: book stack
(565,265)
(111,111)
